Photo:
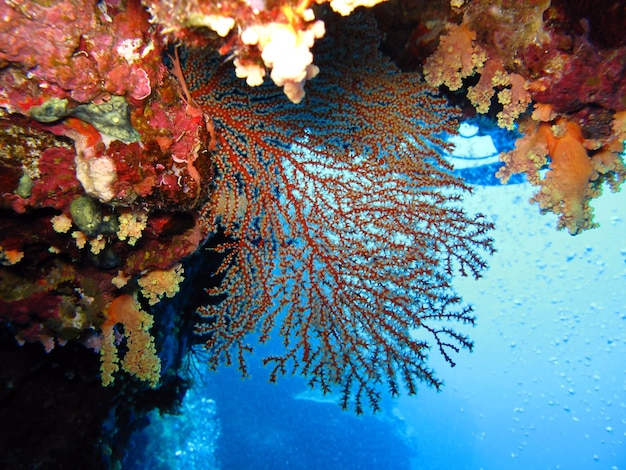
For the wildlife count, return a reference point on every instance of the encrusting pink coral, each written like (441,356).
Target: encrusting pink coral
(80,51)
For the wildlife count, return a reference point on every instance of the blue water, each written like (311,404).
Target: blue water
(545,387)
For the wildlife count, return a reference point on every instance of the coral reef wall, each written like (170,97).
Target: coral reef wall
(306,166)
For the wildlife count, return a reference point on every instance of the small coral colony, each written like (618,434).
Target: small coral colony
(276,134)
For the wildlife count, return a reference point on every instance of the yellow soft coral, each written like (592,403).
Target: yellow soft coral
(345,7)
(131,226)
(140,359)
(608,162)
(529,156)
(159,283)
(566,188)
(10,257)
(514,99)
(61,223)
(457,57)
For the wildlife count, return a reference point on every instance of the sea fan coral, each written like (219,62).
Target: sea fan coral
(342,221)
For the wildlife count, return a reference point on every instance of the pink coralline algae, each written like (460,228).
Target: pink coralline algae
(80,50)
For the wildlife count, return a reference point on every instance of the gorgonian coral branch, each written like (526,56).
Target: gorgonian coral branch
(345,224)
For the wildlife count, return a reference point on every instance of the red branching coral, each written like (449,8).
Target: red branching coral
(342,221)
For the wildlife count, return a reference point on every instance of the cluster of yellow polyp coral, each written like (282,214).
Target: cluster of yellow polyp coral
(459,56)
(456,58)
(492,32)
(161,282)
(270,36)
(573,177)
(140,358)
